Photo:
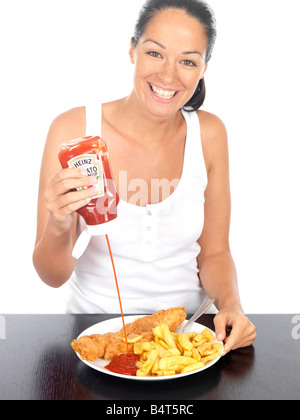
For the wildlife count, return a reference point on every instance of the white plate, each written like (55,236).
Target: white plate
(115,325)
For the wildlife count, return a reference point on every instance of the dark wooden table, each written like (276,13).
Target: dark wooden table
(38,363)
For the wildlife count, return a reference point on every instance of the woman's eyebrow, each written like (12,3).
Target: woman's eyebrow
(155,42)
(193,52)
(162,46)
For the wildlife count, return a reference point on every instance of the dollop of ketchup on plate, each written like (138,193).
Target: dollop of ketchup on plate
(124,364)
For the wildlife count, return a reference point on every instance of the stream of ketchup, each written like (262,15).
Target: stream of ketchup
(125,363)
(118,290)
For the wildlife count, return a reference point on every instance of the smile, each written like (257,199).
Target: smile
(162,93)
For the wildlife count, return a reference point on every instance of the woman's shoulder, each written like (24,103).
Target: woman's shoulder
(213,136)
(69,124)
(211,125)
(65,127)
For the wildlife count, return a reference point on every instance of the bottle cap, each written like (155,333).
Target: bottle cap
(97,230)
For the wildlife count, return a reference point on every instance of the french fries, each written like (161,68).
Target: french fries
(171,353)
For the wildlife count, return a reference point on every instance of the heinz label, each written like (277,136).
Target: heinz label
(93,166)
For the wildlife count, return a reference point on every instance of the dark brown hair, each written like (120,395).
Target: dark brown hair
(195,8)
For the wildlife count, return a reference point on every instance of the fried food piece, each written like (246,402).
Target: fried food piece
(109,345)
(92,347)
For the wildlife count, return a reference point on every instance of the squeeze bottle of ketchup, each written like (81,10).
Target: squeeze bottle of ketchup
(100,214)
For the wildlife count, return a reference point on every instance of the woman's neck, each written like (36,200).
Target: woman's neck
(140,124)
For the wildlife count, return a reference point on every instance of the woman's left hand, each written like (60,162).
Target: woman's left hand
(243,332)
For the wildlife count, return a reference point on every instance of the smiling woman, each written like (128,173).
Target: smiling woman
(204,15)
(169,245)
(169,63)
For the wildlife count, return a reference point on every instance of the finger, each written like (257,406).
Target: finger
(68,184)
(64,212)
(234,340)
(74,197)
(65,174)
(220,322)
(73,207)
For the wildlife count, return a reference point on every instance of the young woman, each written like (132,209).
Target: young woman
(170,165)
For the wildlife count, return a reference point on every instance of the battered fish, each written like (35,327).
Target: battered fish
(109,345)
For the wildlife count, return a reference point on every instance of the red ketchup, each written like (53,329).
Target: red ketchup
(124,364)
(91,153)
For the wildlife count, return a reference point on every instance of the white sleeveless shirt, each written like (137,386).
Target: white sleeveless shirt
(155,248)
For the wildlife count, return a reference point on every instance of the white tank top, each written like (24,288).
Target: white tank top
(155,248)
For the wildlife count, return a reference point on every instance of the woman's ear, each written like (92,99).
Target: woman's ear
(131,51)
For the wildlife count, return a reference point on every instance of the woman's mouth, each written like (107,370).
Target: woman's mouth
(163,93)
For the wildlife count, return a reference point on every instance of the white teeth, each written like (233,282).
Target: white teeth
(163,94)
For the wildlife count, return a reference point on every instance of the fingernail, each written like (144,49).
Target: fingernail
(92,180)
(84,172)
(95,189)
(219,336)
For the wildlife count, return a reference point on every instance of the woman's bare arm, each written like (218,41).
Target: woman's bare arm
(217,270)
(216,266)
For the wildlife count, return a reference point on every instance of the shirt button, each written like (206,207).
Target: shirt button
(149,213)
(149,228)
(148,242)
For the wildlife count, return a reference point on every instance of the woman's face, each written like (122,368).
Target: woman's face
(169,62)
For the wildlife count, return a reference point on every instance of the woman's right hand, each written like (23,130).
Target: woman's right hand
(61,199)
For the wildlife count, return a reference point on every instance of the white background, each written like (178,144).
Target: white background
(58,54)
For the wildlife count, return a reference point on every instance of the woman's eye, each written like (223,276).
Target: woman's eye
(154,54)
(189,63)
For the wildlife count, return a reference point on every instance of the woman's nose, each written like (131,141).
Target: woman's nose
(168,73)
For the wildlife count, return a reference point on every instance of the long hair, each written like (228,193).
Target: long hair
(195,8)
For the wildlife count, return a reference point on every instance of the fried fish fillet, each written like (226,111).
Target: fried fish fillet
(109,345)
